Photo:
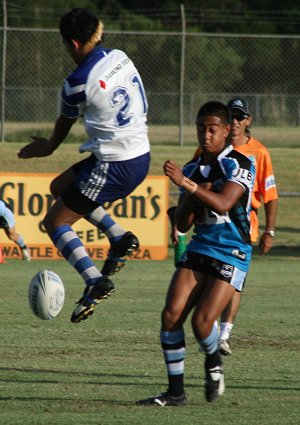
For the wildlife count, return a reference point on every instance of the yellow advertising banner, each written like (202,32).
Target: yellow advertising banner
(143,212)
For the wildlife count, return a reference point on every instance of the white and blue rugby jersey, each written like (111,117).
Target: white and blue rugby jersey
(107,90)
(225,237)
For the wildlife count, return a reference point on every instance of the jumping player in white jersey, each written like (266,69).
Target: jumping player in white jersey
(217,202)
(107,90)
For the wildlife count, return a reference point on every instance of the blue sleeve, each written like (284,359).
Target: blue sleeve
(73,96)
(69,110)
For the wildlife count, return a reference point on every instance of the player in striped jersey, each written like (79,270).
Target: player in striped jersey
(217,202)
(264,191)
(107,91)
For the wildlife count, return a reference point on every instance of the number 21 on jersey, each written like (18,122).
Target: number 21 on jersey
(122,101)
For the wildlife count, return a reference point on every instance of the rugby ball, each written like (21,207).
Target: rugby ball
(46,294)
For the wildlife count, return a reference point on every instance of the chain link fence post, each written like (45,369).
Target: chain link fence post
(3,77)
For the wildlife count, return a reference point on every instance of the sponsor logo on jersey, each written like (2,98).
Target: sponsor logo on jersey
(117,68)
(270,182)
(239,254)
(244,176)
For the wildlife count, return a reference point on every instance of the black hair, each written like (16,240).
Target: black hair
(78,24)
(215,109)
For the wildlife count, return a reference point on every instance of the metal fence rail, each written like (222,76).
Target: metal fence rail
(180,71)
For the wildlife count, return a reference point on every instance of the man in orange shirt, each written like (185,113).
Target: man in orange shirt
(264,191)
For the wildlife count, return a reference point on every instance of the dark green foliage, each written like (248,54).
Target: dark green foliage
(236,16)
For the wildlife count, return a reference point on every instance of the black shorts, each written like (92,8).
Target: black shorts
(211,266)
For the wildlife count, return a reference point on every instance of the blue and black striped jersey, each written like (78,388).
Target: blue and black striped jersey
(225,237)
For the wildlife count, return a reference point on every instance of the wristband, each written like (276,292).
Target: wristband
(189,185)
(270,233)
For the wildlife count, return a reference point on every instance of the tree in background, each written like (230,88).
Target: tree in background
(231,16)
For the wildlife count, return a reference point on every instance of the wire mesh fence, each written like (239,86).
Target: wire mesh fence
(177,69)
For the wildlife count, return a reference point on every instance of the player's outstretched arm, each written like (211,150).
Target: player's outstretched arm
(44,147)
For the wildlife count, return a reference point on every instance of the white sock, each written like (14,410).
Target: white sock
(106,224)
(216,325)
(225,330)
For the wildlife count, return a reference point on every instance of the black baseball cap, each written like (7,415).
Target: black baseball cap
(239,103)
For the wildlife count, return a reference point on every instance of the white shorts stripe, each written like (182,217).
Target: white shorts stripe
(94,186)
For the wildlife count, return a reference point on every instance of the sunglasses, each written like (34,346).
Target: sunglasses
(239,117)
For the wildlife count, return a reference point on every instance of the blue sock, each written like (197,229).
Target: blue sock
(209,344)
(173,345)
(71,247)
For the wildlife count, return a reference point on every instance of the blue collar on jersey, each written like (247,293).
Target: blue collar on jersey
(80,74)
(95,54)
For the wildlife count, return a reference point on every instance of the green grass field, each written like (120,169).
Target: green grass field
(59,373)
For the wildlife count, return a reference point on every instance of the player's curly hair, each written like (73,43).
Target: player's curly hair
(215,109)
(82,25)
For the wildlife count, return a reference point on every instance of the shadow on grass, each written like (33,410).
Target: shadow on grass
(66,399)
(61,372)
(267,384)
